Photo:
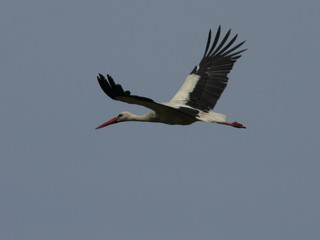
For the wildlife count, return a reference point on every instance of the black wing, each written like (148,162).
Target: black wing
(116,92)
(205,84)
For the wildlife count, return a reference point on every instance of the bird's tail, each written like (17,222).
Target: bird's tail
(212,117)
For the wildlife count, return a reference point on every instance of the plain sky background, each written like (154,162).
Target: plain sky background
(61,179)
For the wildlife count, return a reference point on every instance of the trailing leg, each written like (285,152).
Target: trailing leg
(233,124)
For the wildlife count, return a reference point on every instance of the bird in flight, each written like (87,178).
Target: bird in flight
(196,97)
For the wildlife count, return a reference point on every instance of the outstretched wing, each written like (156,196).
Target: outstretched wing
(116,92)
(205,84)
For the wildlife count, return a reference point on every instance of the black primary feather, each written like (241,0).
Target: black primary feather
(114,90)
(213,71)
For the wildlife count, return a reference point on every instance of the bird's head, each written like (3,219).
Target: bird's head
(122,117)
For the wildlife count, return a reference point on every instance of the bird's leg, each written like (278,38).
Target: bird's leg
(233,124)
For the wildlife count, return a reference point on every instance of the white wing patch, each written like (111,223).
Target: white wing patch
(182,96)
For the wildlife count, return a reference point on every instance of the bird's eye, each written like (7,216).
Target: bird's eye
(120,115)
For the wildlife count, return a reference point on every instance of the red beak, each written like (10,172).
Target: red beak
(112,121)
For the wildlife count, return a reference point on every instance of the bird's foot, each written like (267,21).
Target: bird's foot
(237,125)
(233,124)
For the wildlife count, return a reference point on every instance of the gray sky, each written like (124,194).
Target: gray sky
(61,179)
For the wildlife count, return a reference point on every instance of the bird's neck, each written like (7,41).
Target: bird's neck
(149,117)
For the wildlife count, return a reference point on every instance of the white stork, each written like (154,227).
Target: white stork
(197,96)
